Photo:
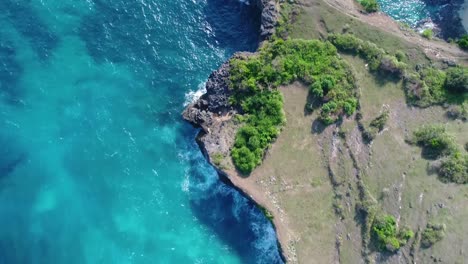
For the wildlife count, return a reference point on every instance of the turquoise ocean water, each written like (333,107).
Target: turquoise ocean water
(411,12)
(96,164)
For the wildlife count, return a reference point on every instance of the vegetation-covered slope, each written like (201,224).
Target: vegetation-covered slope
(330,119)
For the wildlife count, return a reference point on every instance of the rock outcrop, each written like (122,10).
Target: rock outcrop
(214,104)
(447,20)
(269,17)
(213,113)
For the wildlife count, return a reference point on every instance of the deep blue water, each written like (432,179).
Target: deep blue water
(96,164)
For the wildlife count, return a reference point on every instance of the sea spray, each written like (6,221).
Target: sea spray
(193,95)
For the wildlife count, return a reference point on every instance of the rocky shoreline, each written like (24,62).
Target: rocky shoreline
(214,115)
(448,23)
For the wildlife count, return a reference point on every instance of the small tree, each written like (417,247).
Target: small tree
(432,234)
(457,80)
(370,5)
(428,33)
(463,42)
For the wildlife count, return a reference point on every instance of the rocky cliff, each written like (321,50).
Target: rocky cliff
(212,111)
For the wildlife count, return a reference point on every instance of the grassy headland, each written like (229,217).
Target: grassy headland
(328,109)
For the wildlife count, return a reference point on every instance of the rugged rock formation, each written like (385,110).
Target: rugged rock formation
(212,112)
(213,102)
(448,22)
(269,17)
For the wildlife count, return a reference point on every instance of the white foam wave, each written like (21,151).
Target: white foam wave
(185,185)
(266,240)
(191,96)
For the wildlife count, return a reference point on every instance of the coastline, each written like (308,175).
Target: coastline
(213,114)
(216,137)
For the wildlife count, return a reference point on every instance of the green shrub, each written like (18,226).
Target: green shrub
(217,159)
(404,235)
(244,159)
(434,81)
(426,87)
(385,231)
(368,51)
(428,33)
(346,42)
(264,116)
(438,144)
(370,5)
(454,168)
(432,234)
(386,235)
(254,79)
(380,121)
(267,213)
(463,42)
(435,140)
(457,80)
(392,65)
(458,111)
(401,56)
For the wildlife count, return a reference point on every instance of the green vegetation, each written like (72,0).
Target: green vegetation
(454,168)
(370,5)
(254,79)
(430,86)
(432,234)
(386,235)
(424,87)
(375,126)
(463,42)
(283,25)
(267,213)
(401,56)
(457,80)
(265,115)
(376,57)
(217,159)
(437,143)
(380,121)
(427,33)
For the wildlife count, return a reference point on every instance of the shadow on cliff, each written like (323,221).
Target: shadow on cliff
(233,24)
(235,219)
(447,18)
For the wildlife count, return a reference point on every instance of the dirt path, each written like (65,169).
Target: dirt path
(437,49)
